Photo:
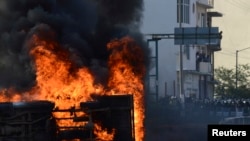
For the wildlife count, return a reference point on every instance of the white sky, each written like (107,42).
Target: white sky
(236,31)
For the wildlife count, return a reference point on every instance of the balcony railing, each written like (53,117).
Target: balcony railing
(211,2)
(205,67)
(207,3)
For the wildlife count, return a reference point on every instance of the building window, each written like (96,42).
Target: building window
(193,7)
(203,20)
(183,13)
(187,51)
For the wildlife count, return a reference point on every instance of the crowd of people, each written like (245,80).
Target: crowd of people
(222,107)
(215,107)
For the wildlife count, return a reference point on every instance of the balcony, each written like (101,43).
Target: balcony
(206,3)
(214,46)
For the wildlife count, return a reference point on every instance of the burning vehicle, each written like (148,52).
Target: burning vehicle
(72,70)
(34,120)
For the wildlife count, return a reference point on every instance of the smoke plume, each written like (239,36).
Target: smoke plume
(84,27)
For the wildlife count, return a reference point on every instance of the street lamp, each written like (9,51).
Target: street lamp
(236,71)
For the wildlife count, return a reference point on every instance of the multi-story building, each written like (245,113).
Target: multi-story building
(179,70)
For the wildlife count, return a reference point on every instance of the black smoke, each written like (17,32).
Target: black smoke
(84,27)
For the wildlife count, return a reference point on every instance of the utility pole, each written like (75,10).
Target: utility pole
(236,71)
(182,96)
(236,68)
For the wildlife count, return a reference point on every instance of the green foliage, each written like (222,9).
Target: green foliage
(226,79)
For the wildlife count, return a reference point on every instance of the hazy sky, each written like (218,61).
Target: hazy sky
(236,31)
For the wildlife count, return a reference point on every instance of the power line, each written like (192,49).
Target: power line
(226,54)
(228,51)
(244,2)
(233,55)
(229,37)
(239,5)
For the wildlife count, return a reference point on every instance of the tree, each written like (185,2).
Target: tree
(226,79)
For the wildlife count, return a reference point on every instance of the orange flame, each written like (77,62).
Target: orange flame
(59,80)
(102,134)
(127,71)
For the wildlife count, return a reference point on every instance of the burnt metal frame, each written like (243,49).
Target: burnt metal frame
(156,37)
